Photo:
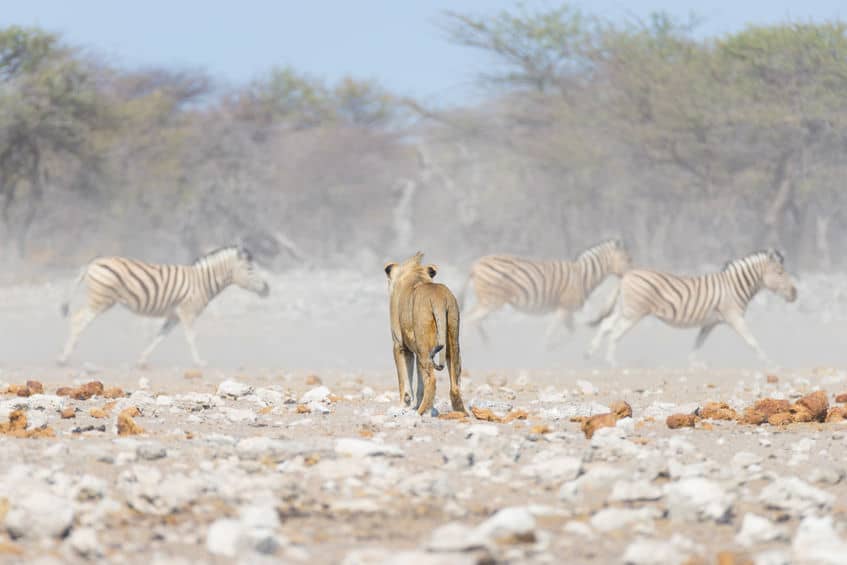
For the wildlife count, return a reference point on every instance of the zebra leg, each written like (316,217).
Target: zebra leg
(698,343)
(740,326)
(187,321)
(605,327)
(622,325)
(166,328)
(559,317)
(404,360)
(475,317)
(79,322)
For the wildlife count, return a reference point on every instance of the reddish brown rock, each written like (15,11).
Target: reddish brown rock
(817,404)
(717,411)
(675,421)
(594,423)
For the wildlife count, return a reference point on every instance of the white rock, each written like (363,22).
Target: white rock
(233,389)
(578,529)
(84,542)
(223,537)
(558,468)
(144,383)
(482,430)
(772,557)
(151,451)
(795,495)
(39,514)
(744,459)
(658,552)
(632,491)
(240,415)
(826,475)
(757,530)
(514,523)
(453,537)
(355,447)
(698,499)
(269,396)
(816,541)
(262,446)
(318,394)
(586,388)
(610,519)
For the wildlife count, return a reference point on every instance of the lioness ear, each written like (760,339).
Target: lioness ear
(388,268)
(432,270)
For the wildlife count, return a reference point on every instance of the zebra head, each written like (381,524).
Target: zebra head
(775,278)
(614,255)
(244,273)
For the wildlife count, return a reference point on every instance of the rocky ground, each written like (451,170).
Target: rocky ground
(293,447)
(266,466)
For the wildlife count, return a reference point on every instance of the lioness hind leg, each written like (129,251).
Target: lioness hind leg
(426,372)
(404,360)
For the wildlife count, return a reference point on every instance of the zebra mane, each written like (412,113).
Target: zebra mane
(220,252)
(605,244)
(766,254)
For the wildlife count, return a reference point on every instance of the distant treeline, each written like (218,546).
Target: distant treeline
(692,150)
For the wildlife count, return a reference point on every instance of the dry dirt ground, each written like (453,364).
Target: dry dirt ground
(292,445)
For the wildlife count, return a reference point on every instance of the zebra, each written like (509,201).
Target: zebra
(703,301)
(177,293)
(541,287)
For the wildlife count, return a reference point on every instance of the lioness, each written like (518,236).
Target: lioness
(424,322)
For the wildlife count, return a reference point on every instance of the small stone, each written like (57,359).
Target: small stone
(698,499)
(795,495)
(39,514)
(84,542)
(594,423)
(634,491)
(817,404)
(318,394)
(144,383)
(508,526)
(675,421)
(97,413)
(756,530)
(355,447)
(313,380)
(586,387)
(817,541)
(126,424)
(68,412)
(223,537)
(611,519)
(151,451)
(233,389)
(717,411)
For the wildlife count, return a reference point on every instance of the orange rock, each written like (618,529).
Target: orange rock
(313,380)
(266,410)
(770,406)
(126,425)
(781,419)
(707,426)
(515,415)
(132,411)
(800,413)
(64,391)
(113,392)
(675,421)
(817,404)
(753,417)
(35,387)
(18,390)
(303,409)
(366,433)
(86,391)
(97,413)
(841,398)
(455,415)
(540,429)
(193,374)
(836,414)
(485,414)
(717,411)
(621,409)
(594,423)
(772,379)
(68,412)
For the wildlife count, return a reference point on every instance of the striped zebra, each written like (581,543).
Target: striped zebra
(704,301)
(542,287)
(177,293)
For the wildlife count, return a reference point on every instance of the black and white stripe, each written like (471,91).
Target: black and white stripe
(542,287)
(703,301)
(178,293)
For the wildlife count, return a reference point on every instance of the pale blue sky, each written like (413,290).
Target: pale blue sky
(393,41)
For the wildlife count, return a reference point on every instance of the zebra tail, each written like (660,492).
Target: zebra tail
(66,304)
(607,310)
(440,316)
